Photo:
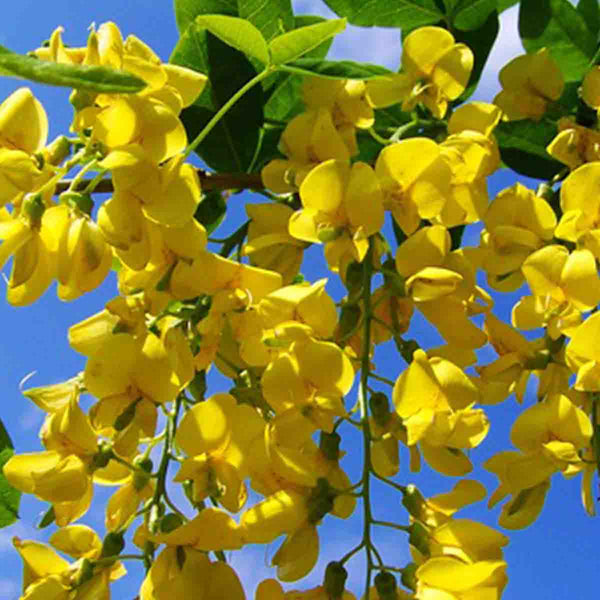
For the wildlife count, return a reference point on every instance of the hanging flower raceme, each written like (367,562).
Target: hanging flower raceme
(435,69)
(435,400)
(550,436)
(529,83)
(342,207)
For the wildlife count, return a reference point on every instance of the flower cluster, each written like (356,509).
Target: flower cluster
(264,458)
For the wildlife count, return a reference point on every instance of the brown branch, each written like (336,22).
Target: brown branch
(208,181)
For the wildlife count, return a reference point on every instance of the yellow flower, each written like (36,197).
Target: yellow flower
(415,180)
(23,122)
(516,224)
(346,99)
(216,435)
(582,356)
(342,207)
(48,575)
(581,208)
(269,244)
(563,285)
(435,400)
(168,194)
(33,239)
(307,140)
(435,69)
(181,572)
(529,83)
(550,436)
(574,144)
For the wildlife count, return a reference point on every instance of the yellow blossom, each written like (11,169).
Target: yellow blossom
(529,83)
(435,69)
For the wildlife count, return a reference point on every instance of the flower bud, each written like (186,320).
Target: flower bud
(112,545)
(380,408)
(33,206)
(169,522)
(329,445)
(334,581)
(77,200)
(409,577)
(385,584)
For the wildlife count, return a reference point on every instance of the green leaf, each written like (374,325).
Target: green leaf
(231,145)
(211,211)
(9,496)
(237,33)
(283,88)
(293,44)
(523,147)
(338,69)
(505,4)
(187,10)
(271,18)
(557,25)
(481,42)
(90,78)
(407,14)
(590,11)
(472,14)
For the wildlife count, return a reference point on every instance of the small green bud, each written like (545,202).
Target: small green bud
(81,99)
(419,538)
(329,444)
(386,586)
(320,501)
(334,581)
(170,522)
(102,457)
(33,206)
(380,408)
(112,545)
(327,233)
(413,501)
(409,576)
(77,200)
(156,512)
(57,150)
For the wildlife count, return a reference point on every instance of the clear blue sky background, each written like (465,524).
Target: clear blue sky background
(556,558)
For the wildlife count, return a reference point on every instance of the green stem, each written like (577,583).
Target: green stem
(221,112)
(364,412)
(392,525)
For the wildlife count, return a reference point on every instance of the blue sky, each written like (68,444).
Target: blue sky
(556,558)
